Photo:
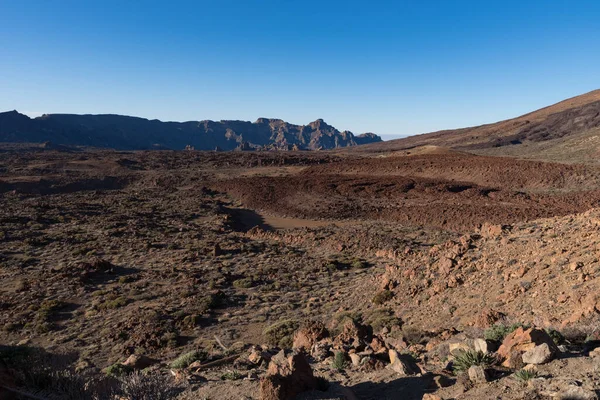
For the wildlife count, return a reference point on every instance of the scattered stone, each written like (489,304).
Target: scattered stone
(139,361)
(595,353)
(402,364)
(576,265)
(354,335)
(538,355)
(577,393)
(308,335)
(467,345)
(477,374)
(442,381)
(355,358)
(258,356)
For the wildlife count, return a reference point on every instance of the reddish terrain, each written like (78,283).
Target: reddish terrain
(380,269)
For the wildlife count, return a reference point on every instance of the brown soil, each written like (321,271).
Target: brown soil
(453,191)
(107,254)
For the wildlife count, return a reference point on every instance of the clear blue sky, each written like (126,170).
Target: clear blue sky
(394,68)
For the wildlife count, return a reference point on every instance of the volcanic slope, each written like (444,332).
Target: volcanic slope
(568,131)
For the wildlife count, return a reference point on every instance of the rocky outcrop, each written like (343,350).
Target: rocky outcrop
(130,133)
(527,346)
(287,376)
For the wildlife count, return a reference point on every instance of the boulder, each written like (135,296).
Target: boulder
(402,364)
(522,341)
(354,335)
(429,396)
(477,374)
(139,361)
(355,358)
(378,345)
(287,376)
(257,356)
(308,335)
(488,318)
(538,355)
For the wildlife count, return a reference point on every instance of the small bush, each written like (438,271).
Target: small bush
(140,386)
(281,333)
(359,264)
(191,320)
(383,318)
(466,359)
(382,297)
(524,375)
(498,332)
(413,335)
(118,370)
(339,361)
(211,301)
(231,376)
(47,309)
(243,283)
(184,360)
(556,336)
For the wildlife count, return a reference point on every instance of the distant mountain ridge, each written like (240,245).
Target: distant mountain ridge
(133,133)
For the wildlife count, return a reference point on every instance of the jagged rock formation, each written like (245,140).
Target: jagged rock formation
(131,133)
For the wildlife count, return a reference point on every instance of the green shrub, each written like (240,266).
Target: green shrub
(466,359)
(359,264)
(498,332)
(117,370)
(48,308)
(231,376)
(525,375)
(211,301)
(339,361)
(556,336)
(115,303)
(281,333)
(184,360)
(243,283)
(382,297)
(383,318)
(191,320)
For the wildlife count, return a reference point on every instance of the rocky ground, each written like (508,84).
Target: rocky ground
(392,278)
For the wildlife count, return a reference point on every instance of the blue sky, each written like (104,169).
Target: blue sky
(393,68)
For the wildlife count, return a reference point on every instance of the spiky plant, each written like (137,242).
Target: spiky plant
(524,375)
(339,361)
(466,359)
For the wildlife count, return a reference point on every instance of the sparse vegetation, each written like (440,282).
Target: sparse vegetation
(556,336)
(413,335)
(525,375)
(383,318)
(281,333)
(498,332)
(382,297)
(466,359)
(184,360)
(243,283)
(231,376)
(118,370)
(339,361)
(150,386)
